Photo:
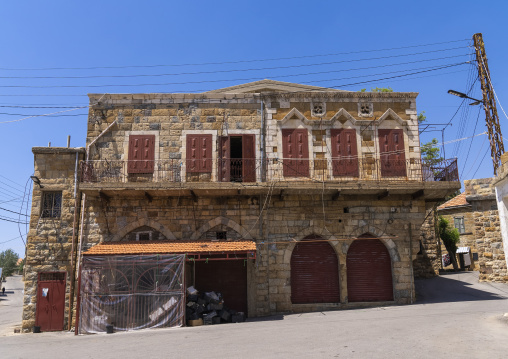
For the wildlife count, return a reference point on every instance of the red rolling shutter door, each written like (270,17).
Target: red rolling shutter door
(344,153)
(369,271)
(314,273)
(392,153)
(295,149)
(141,154)
(199,153)
(227,277)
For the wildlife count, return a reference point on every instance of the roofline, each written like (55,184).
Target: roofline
(453,207)
(161,98)
(58,150)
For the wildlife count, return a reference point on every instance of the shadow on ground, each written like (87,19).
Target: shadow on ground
(452,288)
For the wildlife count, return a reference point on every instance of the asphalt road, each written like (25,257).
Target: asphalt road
(11,306)
(454,317)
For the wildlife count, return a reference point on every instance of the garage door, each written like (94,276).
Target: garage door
(227,277)
(314,273)
(369,271)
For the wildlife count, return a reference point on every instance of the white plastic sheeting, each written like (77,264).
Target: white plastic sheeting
(131,292)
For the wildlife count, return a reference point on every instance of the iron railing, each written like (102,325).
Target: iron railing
(276,169)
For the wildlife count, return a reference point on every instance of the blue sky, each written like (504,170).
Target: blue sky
(324,43)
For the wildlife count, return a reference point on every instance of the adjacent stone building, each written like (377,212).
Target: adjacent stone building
(283,197)
(475,215)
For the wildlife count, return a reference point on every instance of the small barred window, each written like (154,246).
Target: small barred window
(51,204)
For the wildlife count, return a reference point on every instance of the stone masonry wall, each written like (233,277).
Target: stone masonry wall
(428,259)
(491,256)
(49,240)
(281,224)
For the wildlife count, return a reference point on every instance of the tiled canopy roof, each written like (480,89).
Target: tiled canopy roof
(457,201)
(167,247)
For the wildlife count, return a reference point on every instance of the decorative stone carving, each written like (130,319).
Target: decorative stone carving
(365,109)
(318,109)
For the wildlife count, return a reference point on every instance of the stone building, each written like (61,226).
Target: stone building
(475,215)
(501,185)
(284,197)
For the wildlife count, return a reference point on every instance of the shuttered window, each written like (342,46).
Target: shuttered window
(141,153)
(344,152)
(199,153)
(314,273)
(392,153)
(295,149)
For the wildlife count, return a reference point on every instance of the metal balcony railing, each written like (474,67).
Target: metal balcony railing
(273,169)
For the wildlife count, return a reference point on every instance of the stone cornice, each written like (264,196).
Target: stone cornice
(36,150)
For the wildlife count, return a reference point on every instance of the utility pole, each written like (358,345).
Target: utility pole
(489,103)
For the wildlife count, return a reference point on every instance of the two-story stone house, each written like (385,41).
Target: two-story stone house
(283,197)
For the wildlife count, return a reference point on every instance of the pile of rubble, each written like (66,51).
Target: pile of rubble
(208,308)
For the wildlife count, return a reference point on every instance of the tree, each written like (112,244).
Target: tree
(8,259)
(450,237)
(430,152)
(378,89)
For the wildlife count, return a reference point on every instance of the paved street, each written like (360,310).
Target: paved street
(11,306)
(454,317)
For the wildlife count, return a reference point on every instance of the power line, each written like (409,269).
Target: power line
(4,209)
(47,114)
(10,240)
(471,143)
(222,80)
(226,71)
(11,220)
(229,62)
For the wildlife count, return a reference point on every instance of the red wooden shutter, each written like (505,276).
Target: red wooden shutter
(369,271)
(199,153)
(225,160)
(392,153)
(295,149)
(344,152)
(314,273)
(141,154)
(249,158)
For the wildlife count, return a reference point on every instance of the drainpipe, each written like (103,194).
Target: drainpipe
(262,142)
(411,258)
(73,256)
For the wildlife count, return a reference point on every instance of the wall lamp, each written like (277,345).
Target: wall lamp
(463,95)
(37,181)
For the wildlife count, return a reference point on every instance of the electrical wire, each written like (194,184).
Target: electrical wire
(10,240)
(471,143)
(228,62)
(211,81)
(225,71)
(5,209)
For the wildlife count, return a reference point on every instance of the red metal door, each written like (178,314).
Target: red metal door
(295,149)
(249,158)
(228,277)
(314,273)
(50,301)
(225,159)
(392,153)
(141,153)
(344,152)
(369,271)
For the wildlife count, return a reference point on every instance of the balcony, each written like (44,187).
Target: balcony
(254,176)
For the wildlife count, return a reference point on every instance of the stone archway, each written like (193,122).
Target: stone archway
(227,222)
(388,242)
(141,222)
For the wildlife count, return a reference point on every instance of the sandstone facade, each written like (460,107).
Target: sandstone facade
(268,205)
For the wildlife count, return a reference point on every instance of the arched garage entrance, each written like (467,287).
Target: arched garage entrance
(369,271)
(314,272)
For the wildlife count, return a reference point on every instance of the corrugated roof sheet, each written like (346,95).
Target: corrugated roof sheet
(166,247)
(456,201)
(463,250)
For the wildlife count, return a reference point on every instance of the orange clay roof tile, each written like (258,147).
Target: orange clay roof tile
(118,248)
(457,201)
